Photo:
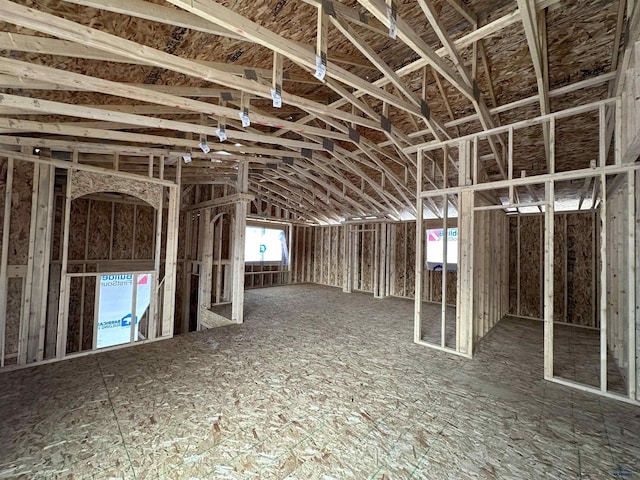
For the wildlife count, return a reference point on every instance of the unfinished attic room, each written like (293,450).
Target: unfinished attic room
(319,239)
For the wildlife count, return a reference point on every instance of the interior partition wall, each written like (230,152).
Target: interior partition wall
(613,190)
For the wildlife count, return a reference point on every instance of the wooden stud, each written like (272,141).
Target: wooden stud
(171,252)
(237,303)
(417,325)
(4,256)
(27,333)
(63,306)
(549,222)
(631,285)
(603,281)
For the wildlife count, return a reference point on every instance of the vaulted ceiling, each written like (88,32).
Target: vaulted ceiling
(140,78)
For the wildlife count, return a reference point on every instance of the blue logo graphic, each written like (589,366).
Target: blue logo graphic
(622,471)
(126,320)
(263,248)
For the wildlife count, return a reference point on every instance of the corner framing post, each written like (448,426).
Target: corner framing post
(464,310)
(631,247)
(61,334)
(171,256)
(4,256)
(239,225)
(348,256)
(417,323)
(548,279)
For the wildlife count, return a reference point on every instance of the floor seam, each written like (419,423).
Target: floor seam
(115,416)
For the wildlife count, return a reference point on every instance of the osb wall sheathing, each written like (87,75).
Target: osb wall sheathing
(581,266)
(573,273)
(84,183)
(365,259)
(100,230)
(19,228)
(302,254)
(20,212)
(404,265)
(145,232)
(123,230)
(530,265)
(14,307)
(513,266)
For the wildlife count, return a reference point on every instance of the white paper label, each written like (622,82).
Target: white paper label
(277,98)
(204,147)
(321,69)
(393,23)
(186,158)
(245,119)
(222,134)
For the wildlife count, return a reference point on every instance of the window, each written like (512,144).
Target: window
(116,310)
(265,246)
(435,249)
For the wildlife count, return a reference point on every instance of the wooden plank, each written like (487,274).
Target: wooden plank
(631,285)
(4,256)
(46,106)
(415,42)
(46,207)
(52,25)
(85,132)
(549,223)
(63,304)
(468,80)
(304,56)
(171,253)
(239,227)
(445,251)
(466,245)
(27,329)
(179,18)
(419,266)
(603,280)
(206,267)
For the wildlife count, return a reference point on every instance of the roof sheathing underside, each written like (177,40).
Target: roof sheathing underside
(580,38)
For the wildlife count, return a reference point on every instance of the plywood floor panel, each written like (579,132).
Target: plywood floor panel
(316,384)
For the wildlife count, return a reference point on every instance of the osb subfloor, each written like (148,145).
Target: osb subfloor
(316,384)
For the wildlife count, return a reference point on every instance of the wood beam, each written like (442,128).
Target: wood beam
(170,16)
(304,56)
(52,25)
(415,42)
(535,31)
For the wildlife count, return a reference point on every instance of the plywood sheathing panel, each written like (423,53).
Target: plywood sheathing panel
(365,259)
(411,259)
(398,262)
(14,310)
(580,266)
(559,271)
(123,230)
(84,183)
(144,233)
(180,285)
(350,409)
(77,228)
(575,281)
(20,212)
(530,267)
(579,37)
(74,318)
(513,266)
(99,230)
(56,239)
